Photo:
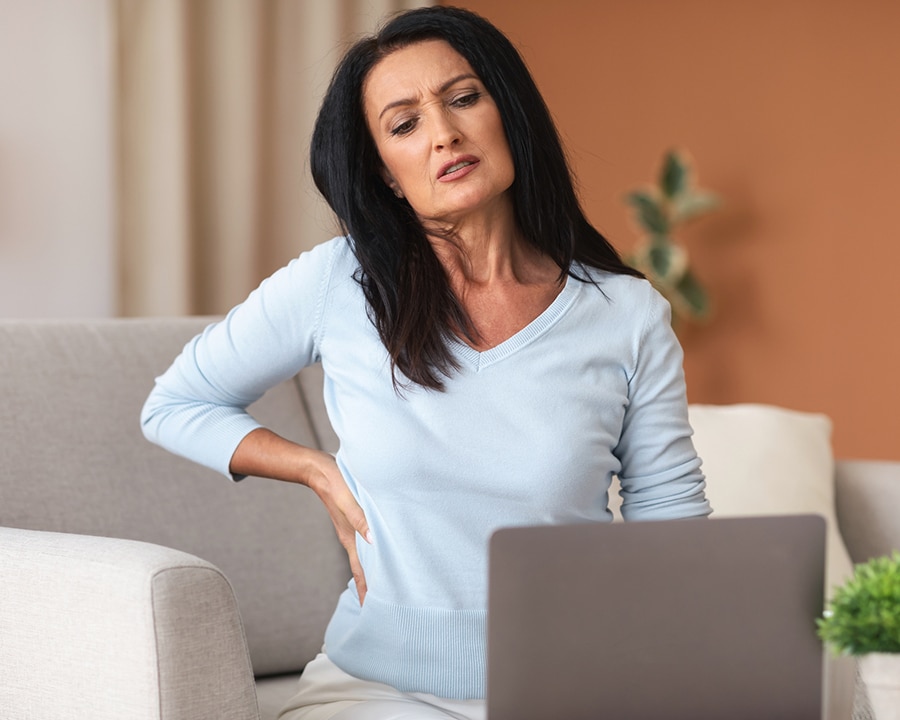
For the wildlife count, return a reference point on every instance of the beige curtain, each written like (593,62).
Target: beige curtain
(215,101)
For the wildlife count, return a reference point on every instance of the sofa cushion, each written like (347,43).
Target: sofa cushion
(74,460)
(765,460)
(867,493)
(105,629)
(273,694)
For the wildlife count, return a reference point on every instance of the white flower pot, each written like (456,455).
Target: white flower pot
(881,674)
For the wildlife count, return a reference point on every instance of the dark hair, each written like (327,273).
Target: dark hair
(409,298)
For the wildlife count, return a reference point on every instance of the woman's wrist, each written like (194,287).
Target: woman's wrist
(264,454)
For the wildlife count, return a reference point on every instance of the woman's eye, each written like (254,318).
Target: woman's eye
(466,100)
(404,128)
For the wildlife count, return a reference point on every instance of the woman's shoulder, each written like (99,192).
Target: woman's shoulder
(330,255)
(619,287)
(324,265)
(308,278)
(635,302)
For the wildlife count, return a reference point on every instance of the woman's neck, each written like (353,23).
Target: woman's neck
(487,249)
(501,280)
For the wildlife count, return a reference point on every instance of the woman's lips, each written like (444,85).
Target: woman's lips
(457,168)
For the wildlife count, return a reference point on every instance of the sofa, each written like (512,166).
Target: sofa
(136,584)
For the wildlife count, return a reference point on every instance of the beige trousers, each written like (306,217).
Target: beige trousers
(326,692)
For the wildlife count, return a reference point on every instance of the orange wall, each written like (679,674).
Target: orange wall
(791,109)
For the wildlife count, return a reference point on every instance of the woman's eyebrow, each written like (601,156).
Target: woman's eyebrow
(443,88)
(452,81)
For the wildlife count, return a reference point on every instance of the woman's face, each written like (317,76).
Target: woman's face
(438,132)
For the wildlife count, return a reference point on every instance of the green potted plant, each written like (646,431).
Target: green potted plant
(659,211)
(863,619)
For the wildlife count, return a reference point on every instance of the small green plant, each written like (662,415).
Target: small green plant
(863,616)
(659,211)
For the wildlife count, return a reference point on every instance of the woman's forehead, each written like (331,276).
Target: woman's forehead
(425,66)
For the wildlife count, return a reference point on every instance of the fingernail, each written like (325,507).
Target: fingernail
(368,536)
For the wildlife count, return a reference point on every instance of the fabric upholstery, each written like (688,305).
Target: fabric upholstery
(273,693)
(868,499)
(196,618)
(106,629)
(760,459)
(764,460)
(74,460)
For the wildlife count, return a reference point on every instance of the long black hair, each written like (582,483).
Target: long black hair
(409,298)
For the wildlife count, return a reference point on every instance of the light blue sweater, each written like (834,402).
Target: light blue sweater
(528,432)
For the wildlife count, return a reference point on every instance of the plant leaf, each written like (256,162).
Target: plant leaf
(864,613)
(673,179)
(649,212)
(695,203)
(693,294)
(660,258)
(668,261)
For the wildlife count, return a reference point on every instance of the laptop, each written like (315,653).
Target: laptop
(702,619)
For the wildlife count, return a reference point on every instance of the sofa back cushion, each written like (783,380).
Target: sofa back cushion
(766,460)
(74,460)
(868,496)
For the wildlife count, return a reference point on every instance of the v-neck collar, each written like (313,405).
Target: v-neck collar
(480,359)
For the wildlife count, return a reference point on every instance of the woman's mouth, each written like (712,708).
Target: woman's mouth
(457,169)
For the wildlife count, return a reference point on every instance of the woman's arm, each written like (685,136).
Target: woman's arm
(265,454)
(660,476)
(197,408)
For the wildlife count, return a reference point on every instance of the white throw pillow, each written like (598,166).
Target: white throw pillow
(765,460)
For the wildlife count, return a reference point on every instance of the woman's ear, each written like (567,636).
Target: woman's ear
(391,182)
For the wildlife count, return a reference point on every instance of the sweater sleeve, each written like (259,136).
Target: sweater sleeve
(660,475)
(197,408)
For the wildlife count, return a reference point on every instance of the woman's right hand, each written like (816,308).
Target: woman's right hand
(265,454)
(326,481)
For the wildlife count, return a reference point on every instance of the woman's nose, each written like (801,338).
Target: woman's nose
(445,133)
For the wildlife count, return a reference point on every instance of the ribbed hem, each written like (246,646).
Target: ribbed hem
(431,650)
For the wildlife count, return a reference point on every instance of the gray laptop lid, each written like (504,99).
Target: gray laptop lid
(664,620)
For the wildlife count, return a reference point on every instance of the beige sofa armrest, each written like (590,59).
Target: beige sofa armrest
(109,629)
(867,496)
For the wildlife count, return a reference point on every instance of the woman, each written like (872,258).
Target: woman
(489,360)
